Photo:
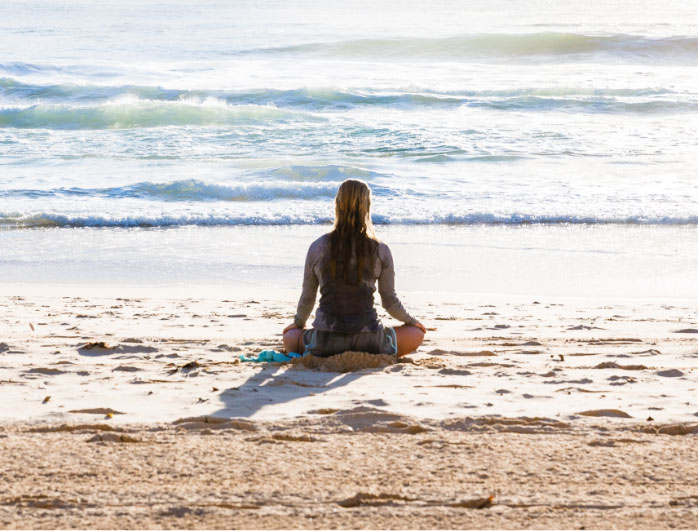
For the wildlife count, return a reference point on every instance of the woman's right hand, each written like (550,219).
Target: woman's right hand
(420,326)
(290,327)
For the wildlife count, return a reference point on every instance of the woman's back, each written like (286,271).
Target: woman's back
(346,301)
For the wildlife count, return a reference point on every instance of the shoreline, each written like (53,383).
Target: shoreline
(533,261)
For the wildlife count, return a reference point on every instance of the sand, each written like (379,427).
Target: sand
(132,410)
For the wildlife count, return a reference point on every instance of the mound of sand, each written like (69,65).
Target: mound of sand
(345,362)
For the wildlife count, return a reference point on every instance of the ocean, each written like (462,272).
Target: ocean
(203,142)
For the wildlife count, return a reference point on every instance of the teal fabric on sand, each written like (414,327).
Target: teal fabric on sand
(267,356)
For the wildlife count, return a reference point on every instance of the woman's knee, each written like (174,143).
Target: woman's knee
(293,340)
(409,338)
(417,336)
(290,335)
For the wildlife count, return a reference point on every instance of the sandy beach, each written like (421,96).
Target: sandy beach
(135,411)
(164,168)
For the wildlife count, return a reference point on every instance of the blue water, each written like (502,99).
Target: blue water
(154,114)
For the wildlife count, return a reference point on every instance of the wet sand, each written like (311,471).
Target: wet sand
(123,411)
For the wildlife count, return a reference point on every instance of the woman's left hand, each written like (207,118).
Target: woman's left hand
(290,327)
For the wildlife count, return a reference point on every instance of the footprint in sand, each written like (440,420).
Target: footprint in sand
(225,348)
(621,380)
(675,429)
(613,365)
(441,352)
(97,411)
(605,413)
(214,423)
(371,499)
(455,372)
(126,368)
(114,437)
(331,411)
(101,348)
(46,371)
(71,428)
(371,420)
(670,373)
(379,402)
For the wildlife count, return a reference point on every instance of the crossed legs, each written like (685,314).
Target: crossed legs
(409,338)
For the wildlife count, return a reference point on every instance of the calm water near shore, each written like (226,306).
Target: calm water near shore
(532,260)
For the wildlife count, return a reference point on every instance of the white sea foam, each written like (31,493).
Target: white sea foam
(273,217)
(63,101)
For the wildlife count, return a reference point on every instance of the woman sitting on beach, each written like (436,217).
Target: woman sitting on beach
(345,264)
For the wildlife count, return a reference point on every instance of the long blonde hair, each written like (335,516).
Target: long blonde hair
(353,234)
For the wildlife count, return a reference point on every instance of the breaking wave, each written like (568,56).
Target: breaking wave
(128,113)
(514,45)
(305,182)
(38,220)
(99,107)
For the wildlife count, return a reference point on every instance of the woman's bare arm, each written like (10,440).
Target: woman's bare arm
(386,288)
(310,286)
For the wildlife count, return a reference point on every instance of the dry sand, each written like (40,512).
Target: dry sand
(126,411)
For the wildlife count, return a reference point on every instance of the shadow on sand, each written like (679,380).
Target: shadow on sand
(276,384)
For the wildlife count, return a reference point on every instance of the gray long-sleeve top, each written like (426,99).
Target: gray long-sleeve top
(383,272)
